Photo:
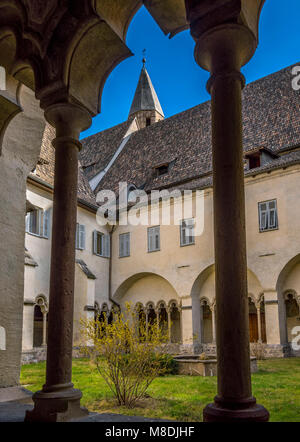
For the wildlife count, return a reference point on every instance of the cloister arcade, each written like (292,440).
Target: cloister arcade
(166,315)
(64,52)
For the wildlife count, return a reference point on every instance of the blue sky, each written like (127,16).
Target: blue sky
(178,80)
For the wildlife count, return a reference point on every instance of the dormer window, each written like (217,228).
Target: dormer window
(161,170)
(258,157)
(253,161)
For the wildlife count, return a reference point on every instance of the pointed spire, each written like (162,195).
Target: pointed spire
(145,98)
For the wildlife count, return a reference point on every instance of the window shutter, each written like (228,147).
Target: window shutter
(153,239)
(27,221)
(81,237)
(127,248)
(157,238)
(121,246)
(106,246)
(183,233)
(40,222)
(46,223)
(150,240)
(95,242)
(77,236)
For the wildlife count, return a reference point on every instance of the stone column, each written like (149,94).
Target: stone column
(157,311)
(213,317)
(58,400)
(187,335)
(169,323)
(147,331)
(201,337)
(259,322)
(28,320)
(44,328)
(272,318)
(223,49)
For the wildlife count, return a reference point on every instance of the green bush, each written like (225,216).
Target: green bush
(168,364)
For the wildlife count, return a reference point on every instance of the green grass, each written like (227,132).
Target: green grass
(182,398)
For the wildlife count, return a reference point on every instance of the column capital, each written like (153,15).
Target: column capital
(224,29)
(68,119)
(225,48)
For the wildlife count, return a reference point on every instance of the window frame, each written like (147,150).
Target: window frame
(268,229)
(148,239)
(105,244)
(124,235)
(43,216)
(181,231)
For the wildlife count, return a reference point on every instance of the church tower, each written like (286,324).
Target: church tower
(146,107)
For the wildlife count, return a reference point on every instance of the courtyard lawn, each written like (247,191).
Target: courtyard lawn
(182,398)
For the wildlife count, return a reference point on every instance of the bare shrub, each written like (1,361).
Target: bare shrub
(127,353)
(258,351)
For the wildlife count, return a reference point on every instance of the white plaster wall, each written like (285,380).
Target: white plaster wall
(267,252)
(98,265)
(37,281)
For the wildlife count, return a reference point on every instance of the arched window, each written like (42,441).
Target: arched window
(40,322)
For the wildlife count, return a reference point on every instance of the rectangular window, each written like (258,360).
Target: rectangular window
(268,218)
(101,244)
(153,239)
(187,234)
(124,245)
(38,223)
(80,237)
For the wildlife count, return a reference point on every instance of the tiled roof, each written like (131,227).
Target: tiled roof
(270,119)
(45,169)
(98,149)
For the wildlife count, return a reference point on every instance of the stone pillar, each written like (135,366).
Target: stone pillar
(272,318)
(28,319)
(223,49)
(259,322)
(169,324)
(201,330)
(213,317)
(147,331)
(157,310)
(44,329)
(187,323)
(58,400)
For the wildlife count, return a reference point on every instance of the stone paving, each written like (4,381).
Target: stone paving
(15,412)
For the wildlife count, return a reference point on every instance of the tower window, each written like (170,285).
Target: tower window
(148,122)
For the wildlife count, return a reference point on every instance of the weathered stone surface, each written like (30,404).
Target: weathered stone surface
(20,150)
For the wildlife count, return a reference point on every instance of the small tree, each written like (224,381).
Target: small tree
(126,352)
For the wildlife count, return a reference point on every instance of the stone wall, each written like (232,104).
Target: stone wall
(20,146)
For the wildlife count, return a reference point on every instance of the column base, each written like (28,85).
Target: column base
(239,411)
(56,406)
